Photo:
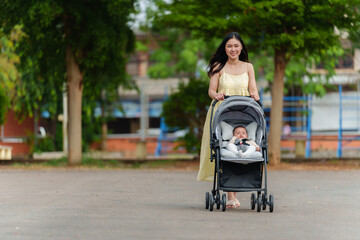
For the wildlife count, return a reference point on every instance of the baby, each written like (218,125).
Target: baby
(240,144)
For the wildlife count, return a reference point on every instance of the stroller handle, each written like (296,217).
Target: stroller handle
(260,103)
(226,96)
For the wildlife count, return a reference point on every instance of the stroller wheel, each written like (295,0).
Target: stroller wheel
(223,202)
(271,203)
(252,202)
(218,202)
(264,202)
(207,200)
(211,202)
(258,203)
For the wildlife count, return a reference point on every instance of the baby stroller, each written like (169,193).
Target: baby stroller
(234,174)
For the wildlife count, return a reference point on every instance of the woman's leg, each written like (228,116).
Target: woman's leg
(232,201)
(231,195)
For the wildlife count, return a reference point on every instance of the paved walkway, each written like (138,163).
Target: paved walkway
(159,204)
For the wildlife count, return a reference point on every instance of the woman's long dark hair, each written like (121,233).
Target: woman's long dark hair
(218,60)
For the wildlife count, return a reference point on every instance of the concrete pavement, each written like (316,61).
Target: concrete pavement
(169,204)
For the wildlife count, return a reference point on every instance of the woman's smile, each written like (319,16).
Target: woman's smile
(233,48)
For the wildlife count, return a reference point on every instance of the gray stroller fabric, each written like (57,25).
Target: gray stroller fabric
(238,110)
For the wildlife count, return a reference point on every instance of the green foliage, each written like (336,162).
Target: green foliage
(161,69)
(44,145)
(297,71)
(91,126)
(304,29)
(300,80)
(58,137)
(284,29)
(187,109)
(190,142)
(98,163)
(98,35)
(180,53)
(96,30)
(3,105)
(355,38)
(61,162)
(9,75)
(139,46)
(190,54)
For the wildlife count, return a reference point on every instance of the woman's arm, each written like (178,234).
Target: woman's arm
(252,83)
(213,86)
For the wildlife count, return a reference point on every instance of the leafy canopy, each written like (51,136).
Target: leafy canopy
(186,109)
(9,76)
(98,34)
(97,31)
(300,30)
(304,30)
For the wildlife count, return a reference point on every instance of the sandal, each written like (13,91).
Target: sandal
(231,204)
(237,203)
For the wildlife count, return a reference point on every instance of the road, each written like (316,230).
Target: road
(169,204)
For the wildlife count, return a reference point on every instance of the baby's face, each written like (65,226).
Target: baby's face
(240,132)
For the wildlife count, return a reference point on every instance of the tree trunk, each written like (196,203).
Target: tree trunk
(277,94)
(75,86)
(104,131)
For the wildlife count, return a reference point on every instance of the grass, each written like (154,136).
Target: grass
(62,162)
(330,164)
(97,163)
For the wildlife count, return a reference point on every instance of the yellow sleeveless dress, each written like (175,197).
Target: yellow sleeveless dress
(229,85)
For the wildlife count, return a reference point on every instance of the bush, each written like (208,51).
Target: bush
(187,109)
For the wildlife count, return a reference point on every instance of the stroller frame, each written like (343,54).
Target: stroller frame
(261,201)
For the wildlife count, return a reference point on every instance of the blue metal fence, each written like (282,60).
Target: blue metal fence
(162,137)
(295,105)
(301,107)
(343,108)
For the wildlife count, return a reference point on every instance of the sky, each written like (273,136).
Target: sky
(141,16)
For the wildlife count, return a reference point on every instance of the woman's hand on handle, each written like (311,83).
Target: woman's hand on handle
(255,96)
(219,96)
(213,86)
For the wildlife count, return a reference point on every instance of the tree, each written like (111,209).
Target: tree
(181,55)
(83,42)
(9,75)
(186,109)
(287,28)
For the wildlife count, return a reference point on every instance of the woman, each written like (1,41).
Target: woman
(230,74)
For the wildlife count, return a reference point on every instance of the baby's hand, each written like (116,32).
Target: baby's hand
(258,149)
(233,140)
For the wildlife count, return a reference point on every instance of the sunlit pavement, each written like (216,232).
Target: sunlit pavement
(163,204)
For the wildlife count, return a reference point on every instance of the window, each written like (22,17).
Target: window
(346,61)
